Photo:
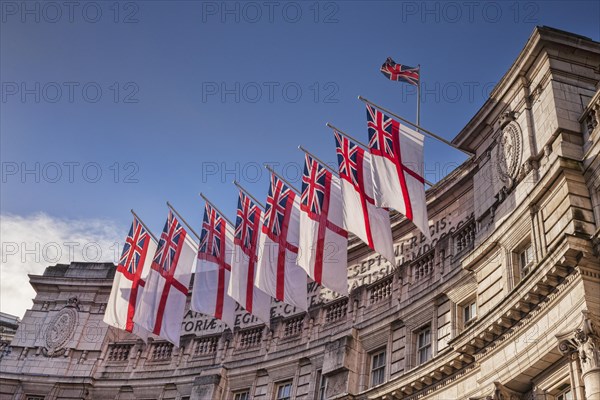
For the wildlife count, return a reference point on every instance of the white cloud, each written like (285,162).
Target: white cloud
(32,243)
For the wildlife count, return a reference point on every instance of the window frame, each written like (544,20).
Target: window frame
(380,369)
(517,270)
(419,347)
(564,391)
(321,386)
(525,258)
(281,385)
(237,395)
(468,306)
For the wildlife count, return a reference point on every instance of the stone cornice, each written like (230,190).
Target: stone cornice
(467,347)
(539,39)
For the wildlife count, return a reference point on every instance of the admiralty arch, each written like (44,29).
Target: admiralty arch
(504,303)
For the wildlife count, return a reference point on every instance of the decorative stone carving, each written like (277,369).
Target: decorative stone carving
(584,343)
(535,94)
(60,329)
(526,168)
(5,349)
(591,121)
(508,153)
(589,346)
(507,117)
(596,244)
(567,346)
(501,392)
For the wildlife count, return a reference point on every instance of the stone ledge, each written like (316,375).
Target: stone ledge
(466,347)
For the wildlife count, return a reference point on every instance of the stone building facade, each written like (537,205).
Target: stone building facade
(503,304)
(8,327)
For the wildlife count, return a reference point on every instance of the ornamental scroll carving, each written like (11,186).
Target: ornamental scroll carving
(500,392)
(583,342)
(60,329)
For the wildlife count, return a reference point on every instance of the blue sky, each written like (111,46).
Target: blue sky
(128,105)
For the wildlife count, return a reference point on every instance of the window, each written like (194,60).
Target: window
(525,259)
(423,345)
(243,395)
(284,391)
(565,394)
(378,368)
(469,311)
(322,388)
(34,397)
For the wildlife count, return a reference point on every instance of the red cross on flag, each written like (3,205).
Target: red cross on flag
(213,269)
(323,242)
(243,266)
(397,154)
(165,295)
(278,274)
(361,215)
(130,279)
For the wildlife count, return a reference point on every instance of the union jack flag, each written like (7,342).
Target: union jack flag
(135,244)
(349,155)
(277,205)
(247,221)
(213,232)
(399,72)
(314,186)
(170,243)
(383,133)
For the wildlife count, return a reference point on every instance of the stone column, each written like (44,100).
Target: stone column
(584,341)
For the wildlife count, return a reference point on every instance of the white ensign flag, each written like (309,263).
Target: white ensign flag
(278,274)
(361,216)
(130,279)
(397,155)
(244,264)
(323,248)
(163,301)
(213,269)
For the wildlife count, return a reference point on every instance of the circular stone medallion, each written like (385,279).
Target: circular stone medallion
(59,331)
(508,153)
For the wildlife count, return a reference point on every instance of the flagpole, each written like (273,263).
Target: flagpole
(319,160)
(348,136)
(282,178)
(213,206)
(423,130)
(363,145)
(248,193)
(182,220)
(419,98)
(144,225)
